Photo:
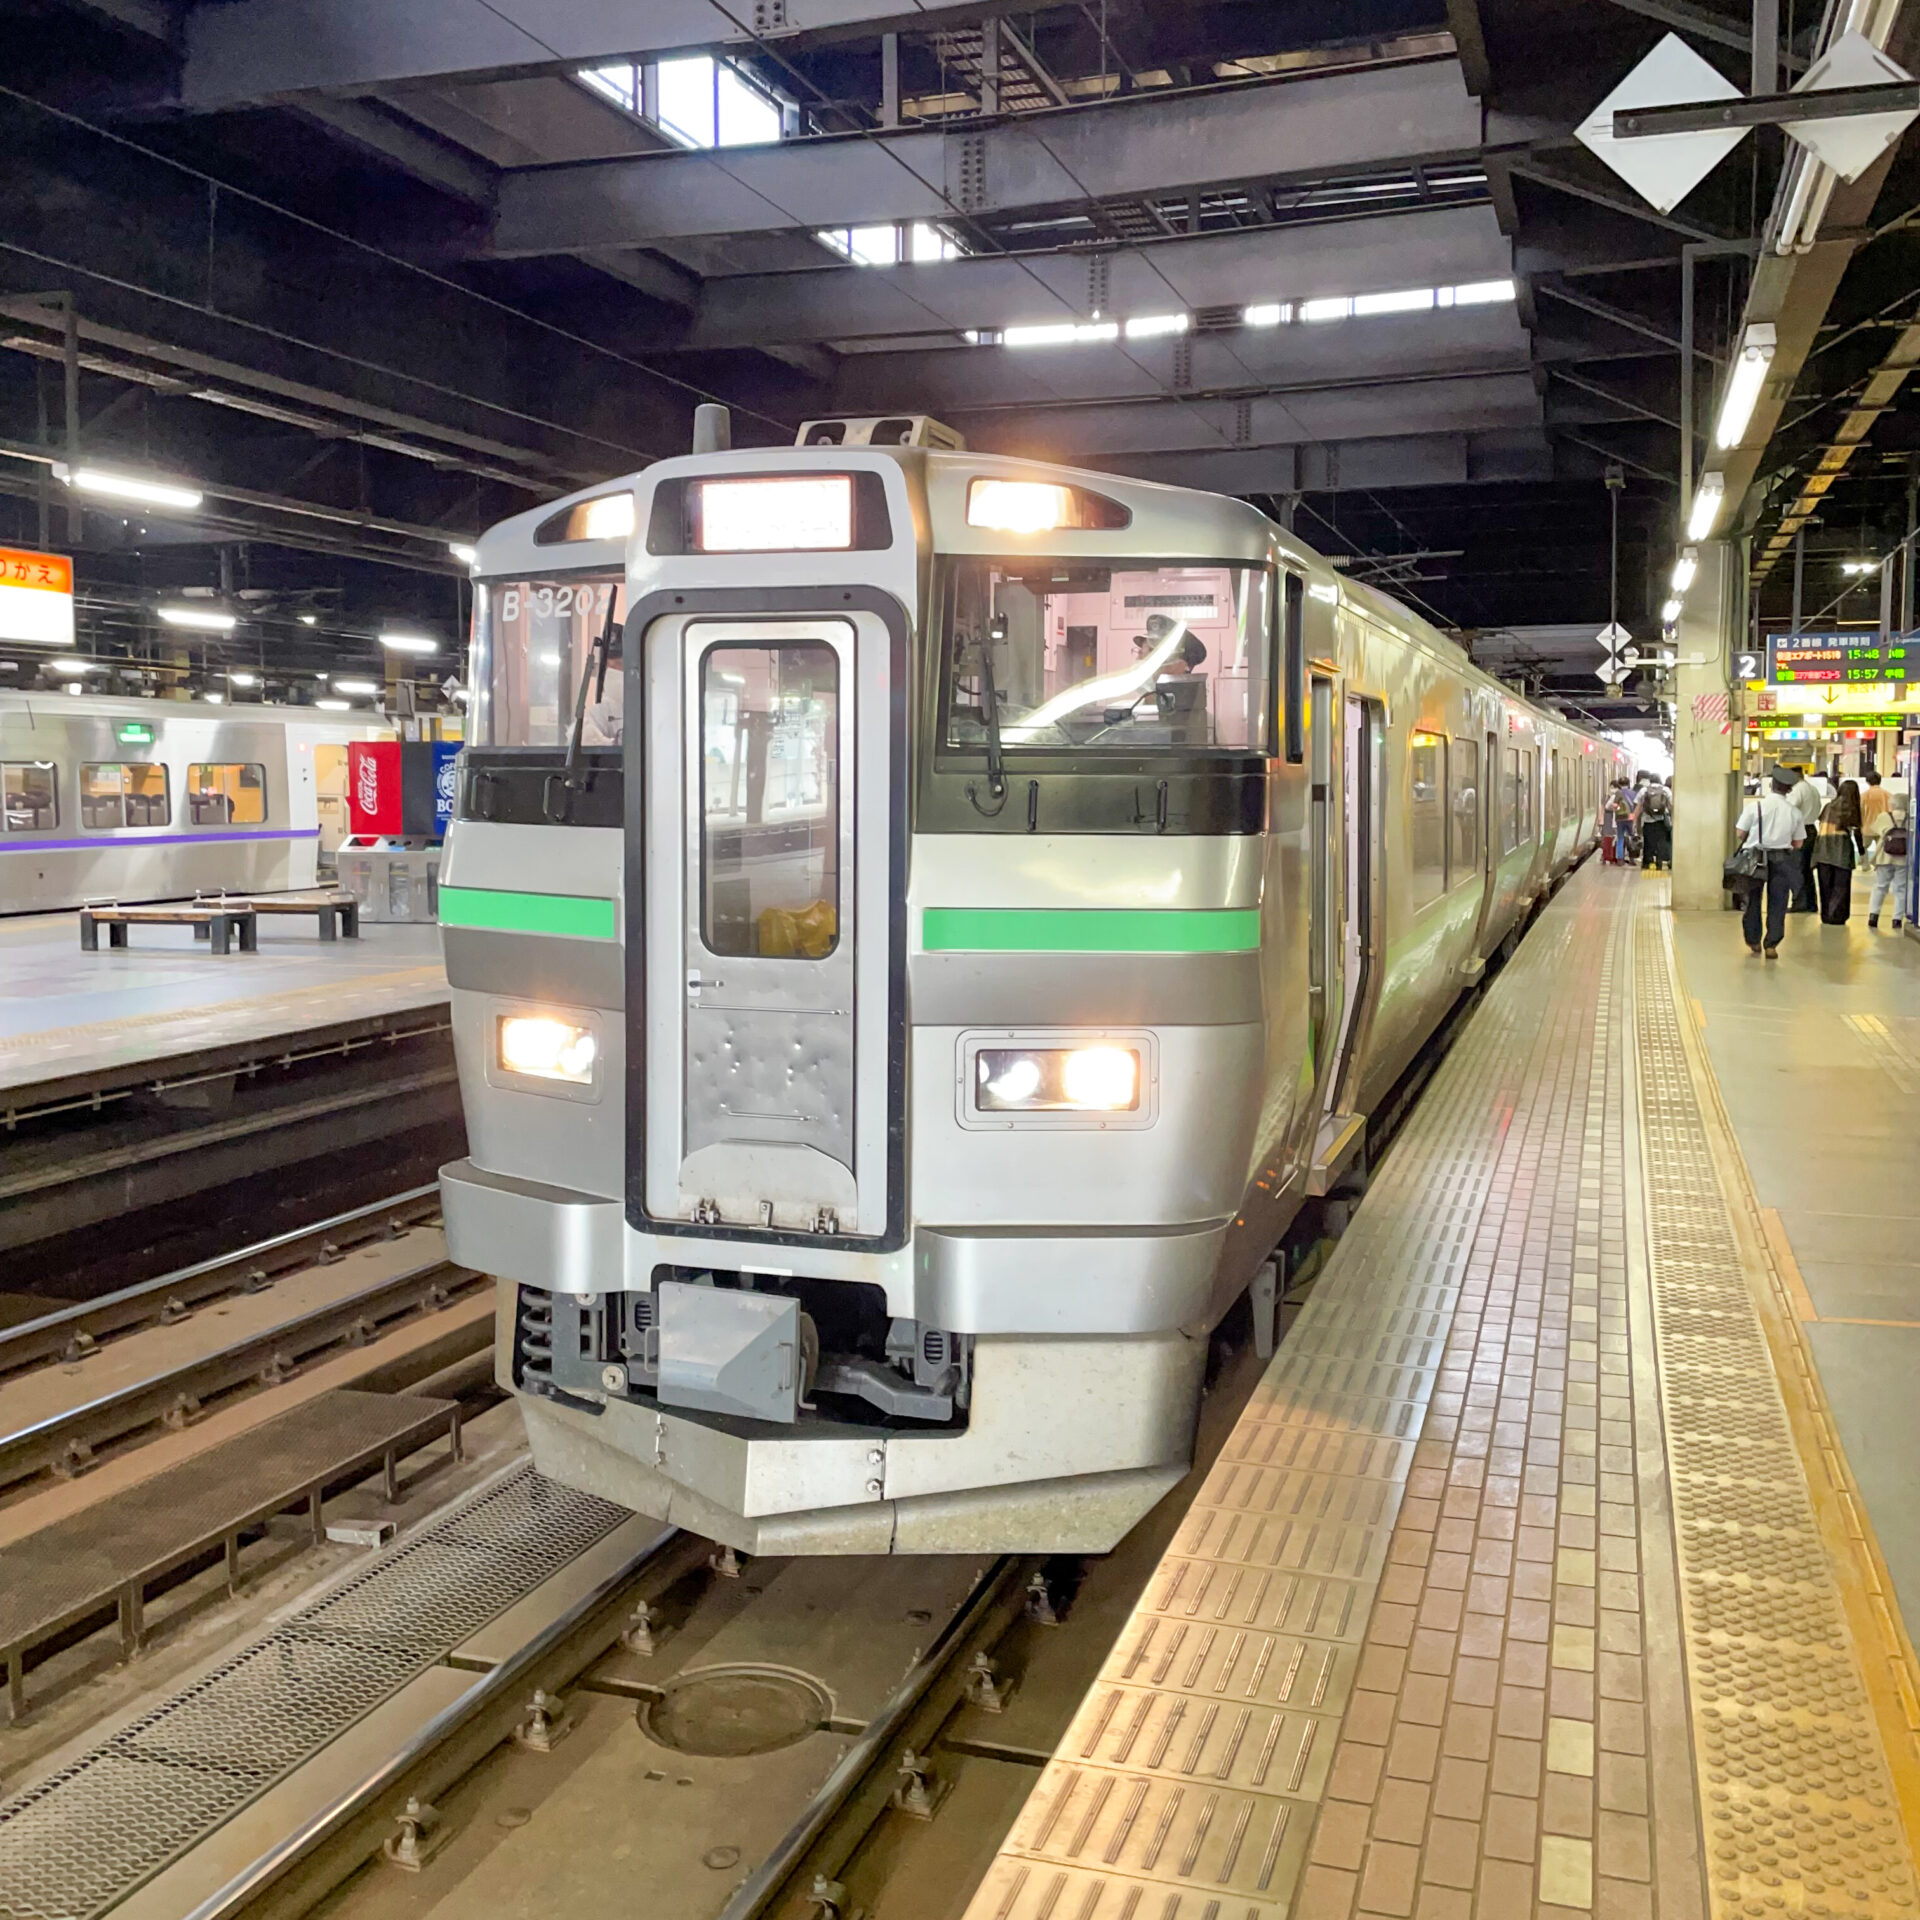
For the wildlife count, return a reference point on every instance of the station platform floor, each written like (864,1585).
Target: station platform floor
(1557,1565)
(65,1014)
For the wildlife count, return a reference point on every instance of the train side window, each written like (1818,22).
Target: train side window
(227,793)
(32,798)
(103,795)
(770,800)
(1464,791)
(1529,799)
(1427,839)
(1294,697)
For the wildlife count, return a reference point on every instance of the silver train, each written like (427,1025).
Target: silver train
(920,925)
(109,799)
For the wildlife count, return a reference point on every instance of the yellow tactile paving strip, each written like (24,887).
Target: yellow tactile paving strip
(1802,1815)
(1418,1649)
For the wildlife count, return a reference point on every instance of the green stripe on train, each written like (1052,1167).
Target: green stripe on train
(497,911)
(1088,930)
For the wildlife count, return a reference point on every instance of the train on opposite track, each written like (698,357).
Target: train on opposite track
(920,925)
(123,799)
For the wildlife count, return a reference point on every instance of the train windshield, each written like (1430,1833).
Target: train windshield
(533,639)
(1139,658)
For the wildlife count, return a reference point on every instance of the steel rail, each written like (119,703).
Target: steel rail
(72,1332)
(754,1894)
(64,1442)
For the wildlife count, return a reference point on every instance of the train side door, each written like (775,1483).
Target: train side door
(1326,982)
(767,923)
(1361,868)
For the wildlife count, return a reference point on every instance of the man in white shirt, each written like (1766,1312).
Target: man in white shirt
(1772,821)
(1809,798)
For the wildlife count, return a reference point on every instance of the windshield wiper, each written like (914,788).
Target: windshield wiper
(990,719)
(561,787)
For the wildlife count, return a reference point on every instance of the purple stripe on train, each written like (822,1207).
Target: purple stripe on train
(110,838)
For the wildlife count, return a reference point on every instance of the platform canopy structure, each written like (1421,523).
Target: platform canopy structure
(378,272)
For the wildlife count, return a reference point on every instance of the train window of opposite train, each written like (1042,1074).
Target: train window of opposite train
(32,796)
(124,793)
(227,795)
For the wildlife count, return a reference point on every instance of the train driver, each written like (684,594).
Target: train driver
(1184,659)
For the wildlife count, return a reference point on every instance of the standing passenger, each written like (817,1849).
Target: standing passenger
(1808,800)
(1887,843)
(1656,825)
(1836,853)
(1873,802)
(1771,822)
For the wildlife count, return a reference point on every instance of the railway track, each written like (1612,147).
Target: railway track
(89,1378)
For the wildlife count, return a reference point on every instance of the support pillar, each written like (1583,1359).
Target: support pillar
(1706,778)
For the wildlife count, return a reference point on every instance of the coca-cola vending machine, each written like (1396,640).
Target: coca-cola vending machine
(396,819)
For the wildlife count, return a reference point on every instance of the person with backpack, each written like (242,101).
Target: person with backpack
(1619,823)
(1888,849)
(1655,814)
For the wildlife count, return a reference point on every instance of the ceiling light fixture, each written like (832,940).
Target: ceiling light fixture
(465,552)
(334,706)
(1150,326)
(1670,612)
(128,486)
(309,619)
(1708,498)
(1271,313)
(1858,567)
(353,686)
(1744,385)
(200,619)
(409,643)
(238,679)
(1684,569)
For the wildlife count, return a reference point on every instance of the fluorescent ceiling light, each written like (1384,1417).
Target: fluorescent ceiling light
(354,686)
(75,666)
(1331,307)
(74,686)
(1744,384)
(1150,326)
(1859,566)
(409,643)
(1708,497)
(1684,569)
(467,554)
(200,619)
(334,706)
(214,699)
(1670,612)
(239,679)
(1065,333)
(1412,300)
(1480,293)
(309,619)
(1273,313)
(127,486)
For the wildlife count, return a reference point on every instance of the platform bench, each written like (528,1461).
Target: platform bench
(337,913)
(216,924)
(98,1564)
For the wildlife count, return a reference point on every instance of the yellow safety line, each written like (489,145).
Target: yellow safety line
(1890,1670)
(1785,1265)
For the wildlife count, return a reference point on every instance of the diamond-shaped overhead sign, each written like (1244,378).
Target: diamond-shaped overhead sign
(1667,167)
(1850,144)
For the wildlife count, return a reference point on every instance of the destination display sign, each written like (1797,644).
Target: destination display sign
(1835,722)
(1840,659)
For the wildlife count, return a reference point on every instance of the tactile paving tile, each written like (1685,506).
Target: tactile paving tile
(1798,1807)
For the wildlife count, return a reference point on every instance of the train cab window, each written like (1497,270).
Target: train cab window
(770,800)
(32,797)
(1463,767)
(227,794)
(124,793)
(1106,658)
(1427,834)
(532,641)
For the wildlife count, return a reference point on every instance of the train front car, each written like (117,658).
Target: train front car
(855,925)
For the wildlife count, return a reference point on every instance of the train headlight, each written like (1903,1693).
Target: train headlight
(545,1048)
(1056,1080)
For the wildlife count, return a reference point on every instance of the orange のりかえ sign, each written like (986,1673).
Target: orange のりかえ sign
(36,597)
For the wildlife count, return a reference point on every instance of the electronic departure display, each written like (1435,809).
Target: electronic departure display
(1835,722)
(1838,659)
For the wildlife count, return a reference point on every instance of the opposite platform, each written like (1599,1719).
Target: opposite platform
(1511,1594)
(67,1015)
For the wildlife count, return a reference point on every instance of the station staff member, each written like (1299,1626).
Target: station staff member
(1771,821)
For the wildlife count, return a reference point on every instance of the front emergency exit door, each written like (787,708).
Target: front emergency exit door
(767,830)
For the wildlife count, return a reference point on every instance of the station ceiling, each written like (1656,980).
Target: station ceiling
(378,272)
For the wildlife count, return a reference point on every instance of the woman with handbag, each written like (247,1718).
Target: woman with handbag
(1837,852)
(1887,855)
(1767,860)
